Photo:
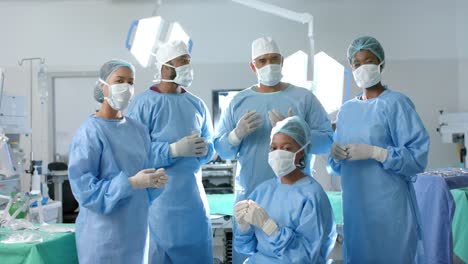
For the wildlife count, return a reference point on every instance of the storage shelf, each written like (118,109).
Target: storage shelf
(216,174)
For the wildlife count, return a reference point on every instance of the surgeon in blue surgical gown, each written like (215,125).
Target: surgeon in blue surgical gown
(181,134)
(246,124)
(287,219)
(380,146)
(109,175)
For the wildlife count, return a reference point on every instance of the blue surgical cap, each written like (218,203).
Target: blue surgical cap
(107,69)
(295,127)
(366,43)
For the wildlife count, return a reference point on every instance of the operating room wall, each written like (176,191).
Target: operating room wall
(463,84)
(423,62)
(429,94)
(462,48)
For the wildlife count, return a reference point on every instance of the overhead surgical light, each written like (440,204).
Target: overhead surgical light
(295,69)
(151,33)
(147,35)
(177,33)
(329,77)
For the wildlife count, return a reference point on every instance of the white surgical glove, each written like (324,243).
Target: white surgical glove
(189,146)
(240,210)
(338,152)
(148,178)
(275,116)
(247,124)
(364,152)
(257,216)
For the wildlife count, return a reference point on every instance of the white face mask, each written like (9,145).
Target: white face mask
(119,95)
(269,75)
(184,75)
(367,75)
(282,161)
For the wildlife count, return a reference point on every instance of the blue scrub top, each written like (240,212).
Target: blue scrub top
(252,153)
(179,221)
(306,227)
(379,206)
(112,224)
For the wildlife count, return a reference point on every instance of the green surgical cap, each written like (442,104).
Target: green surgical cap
(295,127)
(366,43)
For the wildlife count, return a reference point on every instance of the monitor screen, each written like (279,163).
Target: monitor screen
(221,100)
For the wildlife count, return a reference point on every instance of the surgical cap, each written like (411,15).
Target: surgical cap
(106,70)
(171,50)
(295,127)
(264,45)
(366,43)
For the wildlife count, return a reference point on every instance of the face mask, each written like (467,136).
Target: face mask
(184,75)
(119,95)
(282,161)
(367,75)
(269,75)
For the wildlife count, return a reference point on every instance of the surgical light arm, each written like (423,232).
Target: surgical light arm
(304,18)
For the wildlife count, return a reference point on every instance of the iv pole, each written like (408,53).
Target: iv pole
(20,63)
(304,18)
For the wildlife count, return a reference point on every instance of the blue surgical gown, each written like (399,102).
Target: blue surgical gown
(380,212)
(112,224)
(180,228)
(306,227)
(252,153)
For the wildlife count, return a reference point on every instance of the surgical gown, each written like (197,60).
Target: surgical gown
(180,228)
(252,153)
(379,208)
(306,227)
(112,224)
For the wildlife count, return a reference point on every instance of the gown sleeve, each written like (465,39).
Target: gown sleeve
(94,192)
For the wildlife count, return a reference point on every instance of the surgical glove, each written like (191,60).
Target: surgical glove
(148,178)
(240,210)
(161,178)
(247,124)
(275,116)
(338,152)
(257,216)
(364,152)
(189,146)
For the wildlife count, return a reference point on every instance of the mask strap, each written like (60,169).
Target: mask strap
(303,147)
(168,65)
(380,66)
(103,82)
(301,164)
(162,80)
(165,80)
(106,98)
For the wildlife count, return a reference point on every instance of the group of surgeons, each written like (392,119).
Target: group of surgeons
(139,175)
